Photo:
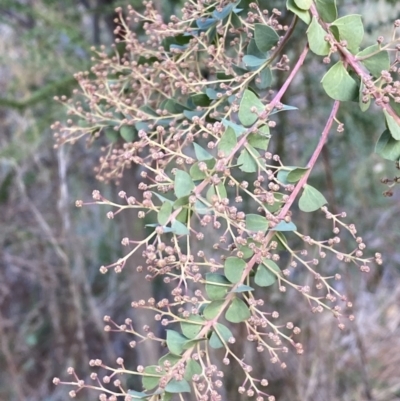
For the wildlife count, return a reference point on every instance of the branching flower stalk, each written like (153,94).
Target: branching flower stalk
(191,105)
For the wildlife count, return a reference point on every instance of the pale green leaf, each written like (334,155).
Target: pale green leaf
(237,311)
(128,133)
(217,286)
(164,213)
(351,29)
(213,309)
(247,162)
(171,358)
(327,10)
(394,128)
(218,190)
(221,331)
(192,326)
(296,174)
(256,222)
(228,141)
(265,274)
(150,381)
(338,84)
(258,141)
(177,386)
(266,37)
(201,153)
(247,251)
(248,102)
(196,173)
(175,341)
(264,79)
(183,185)
(302,14)
(192,368)
(243,288)
(201,208)
(283,226)
(165,396)
(388,147)
(316,39)
(253,61)
(303,4)
(375,60)
(179,228)
(111,134)
(311,199)
(234,268)
(239,130)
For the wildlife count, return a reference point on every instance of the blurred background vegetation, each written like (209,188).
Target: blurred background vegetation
(52,296)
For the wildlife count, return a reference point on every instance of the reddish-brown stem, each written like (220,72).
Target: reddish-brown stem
(313,159)
(351,60)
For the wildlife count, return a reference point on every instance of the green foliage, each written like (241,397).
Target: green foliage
(191,101)
(311,199)
(338,84)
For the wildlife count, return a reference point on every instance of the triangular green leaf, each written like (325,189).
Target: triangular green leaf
(264,79)
(177,386)
(243,288)
(303,4)
(253,61)
(217,286)
(316,39)
(246,162)
(283,226)
(171,358)
(192,368)
(237,311)
(258,141)
(234,268)
(221,331)
(377,61)
(253,50)
(249,102)
(175,341)
(311,199)
(149,382)
(351,29)
(128,133)
(265,275)
(179,228)
(196,173)
(213,309)
(302,14)
(239,130)
(296,174)
(183,184)
(256,222)
(266,37)
(201,208)
(201,99)
(327,10)
(228,141)
(394,128)
(338,84)
(388,147)
(202,154)
(164,213)
(192,326)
